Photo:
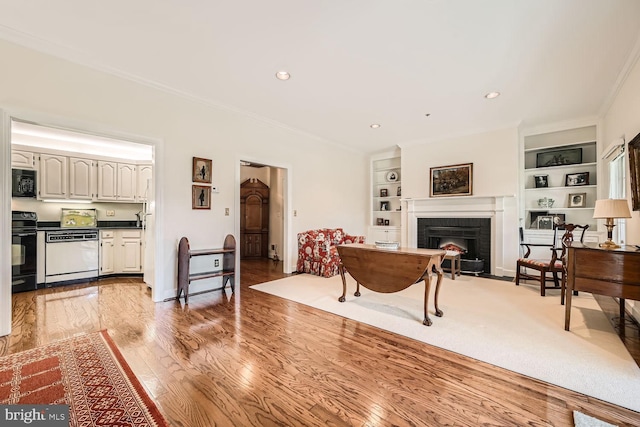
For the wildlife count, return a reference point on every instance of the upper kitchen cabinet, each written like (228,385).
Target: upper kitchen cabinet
(145,175)
(23,160)
(52,179)
(82,179)
(117,181)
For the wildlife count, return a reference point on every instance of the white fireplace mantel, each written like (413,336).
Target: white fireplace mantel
(502,210)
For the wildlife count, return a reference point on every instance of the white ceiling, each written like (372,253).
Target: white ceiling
(355,62)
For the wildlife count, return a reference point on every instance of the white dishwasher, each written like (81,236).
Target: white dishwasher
(71,255)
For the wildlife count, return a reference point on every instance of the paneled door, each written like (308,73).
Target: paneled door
(254,219)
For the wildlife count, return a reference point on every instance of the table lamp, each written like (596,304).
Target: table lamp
(609,209)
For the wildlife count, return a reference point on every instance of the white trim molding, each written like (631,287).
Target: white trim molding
(500,209)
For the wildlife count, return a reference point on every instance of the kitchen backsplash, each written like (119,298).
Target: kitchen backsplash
(52,211)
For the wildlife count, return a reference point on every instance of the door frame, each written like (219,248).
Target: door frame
(67,123)
(287,249)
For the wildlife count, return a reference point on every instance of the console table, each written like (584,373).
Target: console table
(391,270)
(610,272)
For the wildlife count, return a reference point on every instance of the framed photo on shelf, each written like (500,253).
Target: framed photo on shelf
(399,192)
(200,197)
(542,181)
(384,192)
(393,176)
(379,221)
(454,180)
(558,218)
(545,222)
(577,200)
(575,179)
(386,222)
(569,156)
(201,170)
(385,206)
(534,218)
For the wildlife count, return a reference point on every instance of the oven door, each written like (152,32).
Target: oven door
(23,260)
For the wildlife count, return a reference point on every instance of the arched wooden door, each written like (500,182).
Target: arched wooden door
(254,219)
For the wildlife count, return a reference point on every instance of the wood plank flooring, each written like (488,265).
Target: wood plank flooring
(253,359)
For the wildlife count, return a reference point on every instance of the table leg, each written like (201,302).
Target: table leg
(439,312)
(427,288)
(567,307)
(344,283)
(621,309)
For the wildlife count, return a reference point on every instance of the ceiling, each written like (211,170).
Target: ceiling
(354,62)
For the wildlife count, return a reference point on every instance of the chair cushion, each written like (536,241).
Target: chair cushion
(539,263)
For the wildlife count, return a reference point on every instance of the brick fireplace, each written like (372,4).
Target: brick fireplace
(486,228)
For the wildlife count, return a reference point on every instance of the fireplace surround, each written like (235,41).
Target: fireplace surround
(500,211)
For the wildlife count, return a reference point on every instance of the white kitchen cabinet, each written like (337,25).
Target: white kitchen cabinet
(116,181)
(385,234)
(127,182)
(145,175)
(120,251)
(53,177)
(107,252)
(23,160)
(107,180)
(82,179)
(130,251)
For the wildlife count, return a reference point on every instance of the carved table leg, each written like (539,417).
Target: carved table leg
(440,274)
(427,289)
(357,293)
(344,283)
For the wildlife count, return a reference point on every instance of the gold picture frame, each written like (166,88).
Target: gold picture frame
(200,197)
(453,180)
(201,171)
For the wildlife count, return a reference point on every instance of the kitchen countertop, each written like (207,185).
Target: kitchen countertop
(55,225)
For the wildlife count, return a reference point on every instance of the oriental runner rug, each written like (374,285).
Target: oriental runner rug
(88,373)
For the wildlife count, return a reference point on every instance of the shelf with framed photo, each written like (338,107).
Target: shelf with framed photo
(557,164)
(385,195)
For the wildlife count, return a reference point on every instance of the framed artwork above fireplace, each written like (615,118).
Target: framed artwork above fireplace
(453,180)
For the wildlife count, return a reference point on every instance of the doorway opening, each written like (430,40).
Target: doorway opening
(262,213)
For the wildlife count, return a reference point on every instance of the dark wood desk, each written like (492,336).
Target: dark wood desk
(611,272)
(391,270)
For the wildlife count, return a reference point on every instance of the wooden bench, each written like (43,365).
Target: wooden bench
(185,277)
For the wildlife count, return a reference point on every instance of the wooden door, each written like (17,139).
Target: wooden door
(254,219)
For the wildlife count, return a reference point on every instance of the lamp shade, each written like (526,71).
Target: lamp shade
(612,208)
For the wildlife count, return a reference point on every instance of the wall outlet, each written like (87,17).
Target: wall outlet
(216,263)
(214,189)
(111,213)
(226,211)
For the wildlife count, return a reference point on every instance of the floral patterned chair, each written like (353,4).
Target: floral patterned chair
(317,252)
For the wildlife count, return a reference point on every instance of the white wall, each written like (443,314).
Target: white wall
(324,191)
(494,156)
(623,119)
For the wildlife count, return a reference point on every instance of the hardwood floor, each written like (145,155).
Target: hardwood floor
(253,359)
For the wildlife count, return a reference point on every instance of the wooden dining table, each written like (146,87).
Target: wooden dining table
(391,270)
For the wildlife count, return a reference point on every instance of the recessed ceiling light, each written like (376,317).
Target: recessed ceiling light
(374,126)
(492,95)
(283,75)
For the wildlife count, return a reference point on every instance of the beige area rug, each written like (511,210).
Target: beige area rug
(496,322)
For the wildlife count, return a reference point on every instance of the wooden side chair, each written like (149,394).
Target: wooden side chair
(567,239)
(550,269)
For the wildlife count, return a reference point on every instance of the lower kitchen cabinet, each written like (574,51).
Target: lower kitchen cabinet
(120,251)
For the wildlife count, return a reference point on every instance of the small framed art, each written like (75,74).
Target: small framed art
(577,200)
(545,222)
(542,181)
(385,206)
(575,179)
(201,170)
(379,221)
(200,197)
(384,192)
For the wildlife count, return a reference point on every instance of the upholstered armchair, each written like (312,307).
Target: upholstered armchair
(317,252)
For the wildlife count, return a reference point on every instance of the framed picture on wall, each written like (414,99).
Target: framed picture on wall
(454,180)
(200,197)
(201,170)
